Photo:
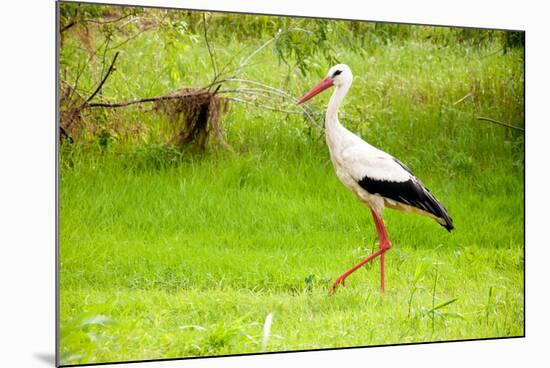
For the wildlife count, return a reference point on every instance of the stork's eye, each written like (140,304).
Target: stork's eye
(338,72)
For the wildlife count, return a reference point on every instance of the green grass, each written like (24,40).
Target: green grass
(222,242)
(166,254)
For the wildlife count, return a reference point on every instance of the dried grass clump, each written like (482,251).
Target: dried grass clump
(195,113)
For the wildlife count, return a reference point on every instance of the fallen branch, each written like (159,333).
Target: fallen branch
(142,100)
(500,123)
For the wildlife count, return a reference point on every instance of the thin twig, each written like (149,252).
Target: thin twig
(274,38)
(104,78)
(245,61)
(71,91)
(103,59)
(262,93)
(251,91)
(500,123)
(138,33)
(262,106)
(108,21)
(469,94)
(307,110)
(303,30)
(212,59)
(79,71)
(223,69)
(266,86)
(72,23)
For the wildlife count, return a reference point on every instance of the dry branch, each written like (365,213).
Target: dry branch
(469,94)
(68,26)
(500,123)
(111,68)
(143,100)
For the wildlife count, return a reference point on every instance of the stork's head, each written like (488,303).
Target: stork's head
(339,75)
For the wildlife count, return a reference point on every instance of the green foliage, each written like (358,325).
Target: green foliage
(313,40)
(513,40)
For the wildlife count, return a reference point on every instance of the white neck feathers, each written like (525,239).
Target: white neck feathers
(331,118)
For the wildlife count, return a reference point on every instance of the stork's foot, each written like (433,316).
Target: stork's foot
(340,280)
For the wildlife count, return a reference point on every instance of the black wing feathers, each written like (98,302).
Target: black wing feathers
(411,192)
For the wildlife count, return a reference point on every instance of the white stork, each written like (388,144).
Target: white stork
(378,179)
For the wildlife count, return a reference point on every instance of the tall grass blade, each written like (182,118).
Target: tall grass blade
(267,330)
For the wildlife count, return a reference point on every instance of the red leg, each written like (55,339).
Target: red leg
(382,288)
(384,246)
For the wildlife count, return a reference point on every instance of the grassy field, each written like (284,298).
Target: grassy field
(167,254)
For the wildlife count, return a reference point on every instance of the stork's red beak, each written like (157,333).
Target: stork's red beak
(320,87)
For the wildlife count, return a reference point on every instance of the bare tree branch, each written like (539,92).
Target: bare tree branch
(111,67)
(142,100)
(72,23)
(500,123)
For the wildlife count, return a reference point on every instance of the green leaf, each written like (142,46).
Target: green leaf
(443,305)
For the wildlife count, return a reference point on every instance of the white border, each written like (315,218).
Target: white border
(27,184)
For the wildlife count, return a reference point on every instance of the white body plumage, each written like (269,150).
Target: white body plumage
(355,160)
